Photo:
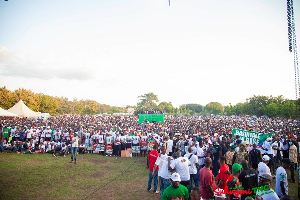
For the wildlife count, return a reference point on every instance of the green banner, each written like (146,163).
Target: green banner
(151,118)
(250,136)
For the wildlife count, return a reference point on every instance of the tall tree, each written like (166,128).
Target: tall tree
(48,104)
(28,97)
(214,108)
(167,107)
(6,98)
(147,101)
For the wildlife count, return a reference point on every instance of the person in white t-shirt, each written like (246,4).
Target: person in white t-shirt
(263,166)
(193,168)
(163,172)
(201,155)
(182,167)
(74,141)
(170,147)
(281,178)
(267,193)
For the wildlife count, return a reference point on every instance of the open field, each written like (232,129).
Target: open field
(40,176)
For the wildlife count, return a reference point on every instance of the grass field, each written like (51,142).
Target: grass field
(37,176)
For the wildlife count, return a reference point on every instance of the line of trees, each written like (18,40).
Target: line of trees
(256,105)
(54,105)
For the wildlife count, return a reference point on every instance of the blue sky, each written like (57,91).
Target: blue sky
(112,51)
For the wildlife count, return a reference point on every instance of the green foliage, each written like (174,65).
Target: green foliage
(214,108)
(52,105)
(114,110)
(196,108)
(167,107)
(147,102)
(48,104)
(28,97)
(6,98)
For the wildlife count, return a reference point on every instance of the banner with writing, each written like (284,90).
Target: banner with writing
(250,136)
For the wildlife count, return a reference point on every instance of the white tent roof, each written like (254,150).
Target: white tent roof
(5,113)
(23,111)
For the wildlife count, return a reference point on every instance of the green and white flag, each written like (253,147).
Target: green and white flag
(251,136)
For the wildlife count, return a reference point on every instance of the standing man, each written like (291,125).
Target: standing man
(207,180)
(153,175)
(293,156)
(193,168)
(181,165)
(233,181)
(263,166)
(163,172)
(74,147)
(267,192)
(229,156)
(254,157)
(223,173)
(176,190)
(248,178)
(281,178)
(217,152)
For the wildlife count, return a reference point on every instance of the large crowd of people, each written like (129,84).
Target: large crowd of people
(199,152)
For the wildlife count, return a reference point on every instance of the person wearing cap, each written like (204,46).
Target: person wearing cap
(267,192)
(281,178)
(248,178)
(182,165)
(233,181)
(175,190)
(263,166)
(229,156)
(207,180)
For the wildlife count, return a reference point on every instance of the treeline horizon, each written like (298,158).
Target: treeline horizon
(255,105)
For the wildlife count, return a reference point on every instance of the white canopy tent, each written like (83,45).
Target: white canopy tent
(5,113)
(23,111)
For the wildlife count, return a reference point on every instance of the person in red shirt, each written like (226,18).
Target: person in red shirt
(207,180)
(223,174)
(152,157)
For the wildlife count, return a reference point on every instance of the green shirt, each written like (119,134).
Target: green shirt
(6,132)
(179,193)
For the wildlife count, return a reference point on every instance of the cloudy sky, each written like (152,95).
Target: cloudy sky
(112,51)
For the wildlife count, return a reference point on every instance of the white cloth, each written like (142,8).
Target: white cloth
(266,195)
(267,146)
(193,160)
(181,165)
(200,153)
(162,162)
(281,176)
(75,142)
(263,169)
(170,145)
